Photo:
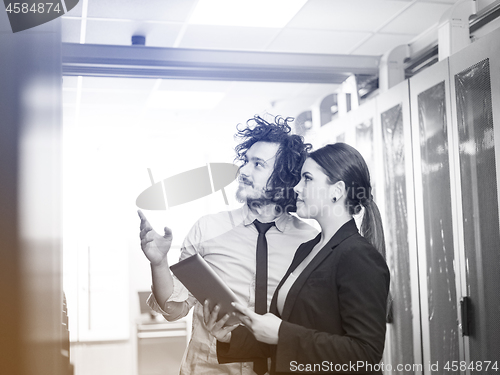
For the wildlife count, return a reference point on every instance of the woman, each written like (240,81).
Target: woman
(328,314)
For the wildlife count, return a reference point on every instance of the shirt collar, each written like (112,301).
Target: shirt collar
(281,222)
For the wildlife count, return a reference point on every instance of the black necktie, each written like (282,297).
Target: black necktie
(260,366)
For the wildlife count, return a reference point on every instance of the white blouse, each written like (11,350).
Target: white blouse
(287,285)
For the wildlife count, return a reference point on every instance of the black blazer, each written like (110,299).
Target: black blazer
(334,317)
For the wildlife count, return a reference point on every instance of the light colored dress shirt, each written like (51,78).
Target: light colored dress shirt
(227,241)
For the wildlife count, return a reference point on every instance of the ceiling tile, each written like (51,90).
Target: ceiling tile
(380,43)
(70,30)
(157,10)
(353,15)
(316,41)
(227,37)
(416,19)
(77,10)
(117,32)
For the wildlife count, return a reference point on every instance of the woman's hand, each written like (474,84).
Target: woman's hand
(265,327)
(216,328)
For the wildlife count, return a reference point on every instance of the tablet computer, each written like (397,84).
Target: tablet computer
(204,284)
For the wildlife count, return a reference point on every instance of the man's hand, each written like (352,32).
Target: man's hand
(265,327)
(216,328)
(154,246)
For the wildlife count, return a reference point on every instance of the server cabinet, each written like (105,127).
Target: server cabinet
(360,131)
(339,130)
(436,234)
(380,130)
(475,83)
(363,123)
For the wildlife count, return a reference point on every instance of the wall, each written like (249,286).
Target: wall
(30,267)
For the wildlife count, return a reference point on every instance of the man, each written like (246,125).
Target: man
(271,162)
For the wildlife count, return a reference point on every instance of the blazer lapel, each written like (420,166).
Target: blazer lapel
(299,283)
(344,232)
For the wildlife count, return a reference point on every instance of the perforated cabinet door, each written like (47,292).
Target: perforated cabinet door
(436,234)
(476,84)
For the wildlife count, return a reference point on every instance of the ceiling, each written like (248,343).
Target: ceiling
(360,27)
(325,27)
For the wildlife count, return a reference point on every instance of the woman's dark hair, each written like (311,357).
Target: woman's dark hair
(291,154)
(342,162)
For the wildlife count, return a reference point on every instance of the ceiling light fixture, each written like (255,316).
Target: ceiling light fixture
(254,13)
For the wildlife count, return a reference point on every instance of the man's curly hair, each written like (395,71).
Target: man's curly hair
(291,154)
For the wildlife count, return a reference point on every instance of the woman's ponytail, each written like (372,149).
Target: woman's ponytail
(372,230)
(371,226)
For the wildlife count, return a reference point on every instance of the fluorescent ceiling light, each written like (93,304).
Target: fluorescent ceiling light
(250,13)
(184,99)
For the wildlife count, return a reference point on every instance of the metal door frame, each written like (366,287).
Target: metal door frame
(400,94)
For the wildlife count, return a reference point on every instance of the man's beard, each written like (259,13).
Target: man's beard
(263,200)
